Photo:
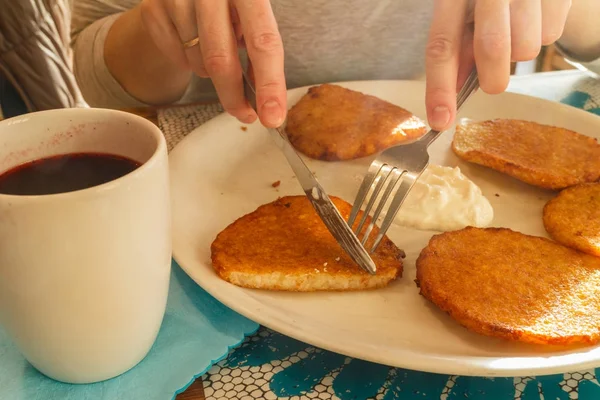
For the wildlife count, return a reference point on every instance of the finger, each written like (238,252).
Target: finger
(470,18)
(554,17)
(525,29)
(466,60)
(441,61)
(265,50)
(220,56)
(492,44)
(183,14)
(163,32)
(237,28)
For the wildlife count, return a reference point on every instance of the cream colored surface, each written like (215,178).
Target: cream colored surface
(213,185)
(85,275)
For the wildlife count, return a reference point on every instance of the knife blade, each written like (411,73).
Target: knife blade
(321,202)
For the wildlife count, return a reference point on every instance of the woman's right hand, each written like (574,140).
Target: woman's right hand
(221,26)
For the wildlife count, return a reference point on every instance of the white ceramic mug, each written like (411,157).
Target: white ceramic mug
(84,275)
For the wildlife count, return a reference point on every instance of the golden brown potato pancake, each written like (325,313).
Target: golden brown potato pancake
(506,284)
(573,218)
(333,123)
(541,155)
(284,245)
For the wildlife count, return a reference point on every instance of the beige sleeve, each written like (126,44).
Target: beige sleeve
(98,86)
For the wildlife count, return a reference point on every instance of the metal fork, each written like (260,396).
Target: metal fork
(402,164)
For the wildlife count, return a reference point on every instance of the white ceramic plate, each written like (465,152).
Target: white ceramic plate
(221,172)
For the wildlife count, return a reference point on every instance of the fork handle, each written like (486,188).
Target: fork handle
(471,85)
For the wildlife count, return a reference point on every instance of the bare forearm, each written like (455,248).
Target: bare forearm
(581,36)
(138,65)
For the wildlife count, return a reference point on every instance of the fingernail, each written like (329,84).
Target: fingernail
(272,114)
(440,116)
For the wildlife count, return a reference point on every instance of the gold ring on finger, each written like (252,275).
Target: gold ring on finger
(191,43)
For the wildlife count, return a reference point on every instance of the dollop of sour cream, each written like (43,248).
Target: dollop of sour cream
(443,199)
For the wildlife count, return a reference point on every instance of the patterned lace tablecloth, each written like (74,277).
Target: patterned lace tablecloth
(177,122)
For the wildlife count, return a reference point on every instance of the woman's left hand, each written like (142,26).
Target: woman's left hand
(488,34)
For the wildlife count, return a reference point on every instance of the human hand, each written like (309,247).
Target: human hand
(204,36)
(502,31)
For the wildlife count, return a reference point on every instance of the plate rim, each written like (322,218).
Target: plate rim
(460,365)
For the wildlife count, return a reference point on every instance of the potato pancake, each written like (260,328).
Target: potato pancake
(332,123)
(284,245)
(502,283)
(541,155)
(573,218)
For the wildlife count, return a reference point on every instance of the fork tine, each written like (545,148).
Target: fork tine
(408,179)
(471,85)
(382,176)
(346,238)
(367,182)
(386,194)
(413,160)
